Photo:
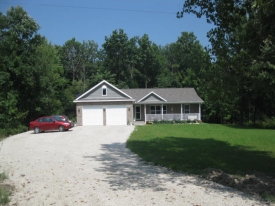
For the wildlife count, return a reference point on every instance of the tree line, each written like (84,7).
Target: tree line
(235,77)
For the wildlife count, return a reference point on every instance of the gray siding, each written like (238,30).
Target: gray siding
(111,94)
(152,98)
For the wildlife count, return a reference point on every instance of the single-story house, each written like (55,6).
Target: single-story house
(105,104)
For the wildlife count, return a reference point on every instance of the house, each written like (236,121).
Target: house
(105,104)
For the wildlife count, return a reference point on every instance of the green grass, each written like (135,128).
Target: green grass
(5,190)
(193,148)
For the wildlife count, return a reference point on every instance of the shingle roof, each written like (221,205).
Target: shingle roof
(184,95)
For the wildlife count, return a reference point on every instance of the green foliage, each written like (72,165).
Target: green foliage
(19,38)
(243,46)
(48,81)
(3,176)
(4,197)
(5,190)
(185,61)
(175,121)
(266,123)
(12,130)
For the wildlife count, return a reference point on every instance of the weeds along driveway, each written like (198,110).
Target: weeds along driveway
(91,166)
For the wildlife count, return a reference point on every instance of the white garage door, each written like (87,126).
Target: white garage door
(92,115)
(116,115)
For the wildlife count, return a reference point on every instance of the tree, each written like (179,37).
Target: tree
(147,62)
(238,41)
(121,58)
(49,82)
(18,42)
(186,59)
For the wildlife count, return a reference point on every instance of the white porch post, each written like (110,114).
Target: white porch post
(199,112)
(180,111)
(161,111)
(145,113)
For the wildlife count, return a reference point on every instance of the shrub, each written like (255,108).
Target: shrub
(12,131)
(266,123)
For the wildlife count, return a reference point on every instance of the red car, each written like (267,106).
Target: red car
(49,123)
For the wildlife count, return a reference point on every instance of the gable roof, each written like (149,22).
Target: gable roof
(151,94)
(81,98)
(142,95)
(171,95)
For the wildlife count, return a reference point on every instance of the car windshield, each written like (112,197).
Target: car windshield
(61,118)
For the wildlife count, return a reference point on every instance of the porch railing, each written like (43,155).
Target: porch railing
(190,116)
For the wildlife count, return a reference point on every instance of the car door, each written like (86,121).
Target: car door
(42,123)
(51,124)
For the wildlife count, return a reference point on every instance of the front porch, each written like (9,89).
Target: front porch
(152,112)
(158,117)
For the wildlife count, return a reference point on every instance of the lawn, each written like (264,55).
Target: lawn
(194,147)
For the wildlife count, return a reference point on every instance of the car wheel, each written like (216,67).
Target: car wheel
(61,129)
(36,130)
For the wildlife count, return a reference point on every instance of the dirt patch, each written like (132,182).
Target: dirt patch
(255,183)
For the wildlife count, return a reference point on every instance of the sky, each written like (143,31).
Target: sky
(61,20)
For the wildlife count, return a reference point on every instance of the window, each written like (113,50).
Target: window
(138,112)
(186,108)
(156,109)
(104,90)
(49,119)
(164,109)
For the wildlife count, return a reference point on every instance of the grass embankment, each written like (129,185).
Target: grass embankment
(193,148)
(246,156)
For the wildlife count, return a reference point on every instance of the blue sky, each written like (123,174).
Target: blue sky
(94,19)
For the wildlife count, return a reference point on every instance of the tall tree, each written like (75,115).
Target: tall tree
(147,62)
(238,39)
(49,82)
(18,42)
(186,59)
(120,58)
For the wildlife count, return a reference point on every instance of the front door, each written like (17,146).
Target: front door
(138,113)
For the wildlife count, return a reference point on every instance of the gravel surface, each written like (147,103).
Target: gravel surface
(91,166)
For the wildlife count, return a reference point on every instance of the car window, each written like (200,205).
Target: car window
(49,119)
(42,120)
(59,118)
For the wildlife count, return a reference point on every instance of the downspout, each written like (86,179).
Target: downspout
(161,111)
(180,111)
(199,111)
(145,113)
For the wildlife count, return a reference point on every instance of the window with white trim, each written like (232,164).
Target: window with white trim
(104,90)
(156,109)
(186,108)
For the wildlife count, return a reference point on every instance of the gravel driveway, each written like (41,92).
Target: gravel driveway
(91,166)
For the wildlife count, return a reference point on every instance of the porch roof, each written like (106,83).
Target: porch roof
(171,95)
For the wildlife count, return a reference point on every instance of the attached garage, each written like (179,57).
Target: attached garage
(116,115)
(104,104)
(104,115)
(92,115)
